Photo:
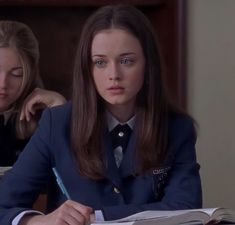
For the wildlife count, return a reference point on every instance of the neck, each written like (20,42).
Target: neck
(121,113)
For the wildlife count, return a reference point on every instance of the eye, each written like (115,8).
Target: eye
(17,73)
(100,63)
(126,61)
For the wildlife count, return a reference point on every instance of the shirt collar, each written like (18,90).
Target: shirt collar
(7,114)
(113,122)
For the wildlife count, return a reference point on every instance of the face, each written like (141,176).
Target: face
(118,65)
(11,77)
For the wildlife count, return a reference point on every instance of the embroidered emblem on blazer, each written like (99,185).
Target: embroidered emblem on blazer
(160,176)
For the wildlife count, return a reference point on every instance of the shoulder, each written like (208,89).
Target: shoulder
(177,120)
(54,123)
(57,115)
(60,111)
(181,138)
(181,126)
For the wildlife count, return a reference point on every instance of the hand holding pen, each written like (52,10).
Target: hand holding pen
(69,213)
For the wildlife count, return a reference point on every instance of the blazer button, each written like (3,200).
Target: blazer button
(116,190)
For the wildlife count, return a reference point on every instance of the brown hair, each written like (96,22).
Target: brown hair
(87,107)
(20,37)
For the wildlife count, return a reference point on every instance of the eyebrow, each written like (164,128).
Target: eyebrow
(123,54)
(128,53)
(99,55)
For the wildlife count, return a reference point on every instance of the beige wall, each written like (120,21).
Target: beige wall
(211,71)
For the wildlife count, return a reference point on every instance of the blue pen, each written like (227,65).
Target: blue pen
(60,183)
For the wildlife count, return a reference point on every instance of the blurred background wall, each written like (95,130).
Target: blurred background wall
(211,95)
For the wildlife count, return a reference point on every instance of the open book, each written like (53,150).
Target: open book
(175,217)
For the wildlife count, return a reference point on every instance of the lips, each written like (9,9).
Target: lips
(3,95)
(116,90)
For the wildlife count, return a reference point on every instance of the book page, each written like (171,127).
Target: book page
(183,219)
(225,215)
(166,217)
(153,214)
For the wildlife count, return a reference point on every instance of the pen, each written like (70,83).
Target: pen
(60,183)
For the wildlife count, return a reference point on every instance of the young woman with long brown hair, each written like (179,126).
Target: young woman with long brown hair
(119,147)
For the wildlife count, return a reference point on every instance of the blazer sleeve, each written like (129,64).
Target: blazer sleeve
(20,187)
(183,189)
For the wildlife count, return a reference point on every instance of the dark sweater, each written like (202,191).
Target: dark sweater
(10,145)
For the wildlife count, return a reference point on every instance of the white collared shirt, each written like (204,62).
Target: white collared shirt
(7,114)
(112,123)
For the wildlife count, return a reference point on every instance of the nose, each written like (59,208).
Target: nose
(3,80)
(114,72)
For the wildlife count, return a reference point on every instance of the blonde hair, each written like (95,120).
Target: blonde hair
(20,37)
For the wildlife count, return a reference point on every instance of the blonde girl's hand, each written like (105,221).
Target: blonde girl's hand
(69,213)
(38,100)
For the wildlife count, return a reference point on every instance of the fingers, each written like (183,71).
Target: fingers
(85,211)
(92,217)
(39,99)
(32,103)
(74,213)
(69,213)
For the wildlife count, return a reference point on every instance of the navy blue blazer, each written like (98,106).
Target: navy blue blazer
(176,185)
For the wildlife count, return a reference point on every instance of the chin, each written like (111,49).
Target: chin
(116,102)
